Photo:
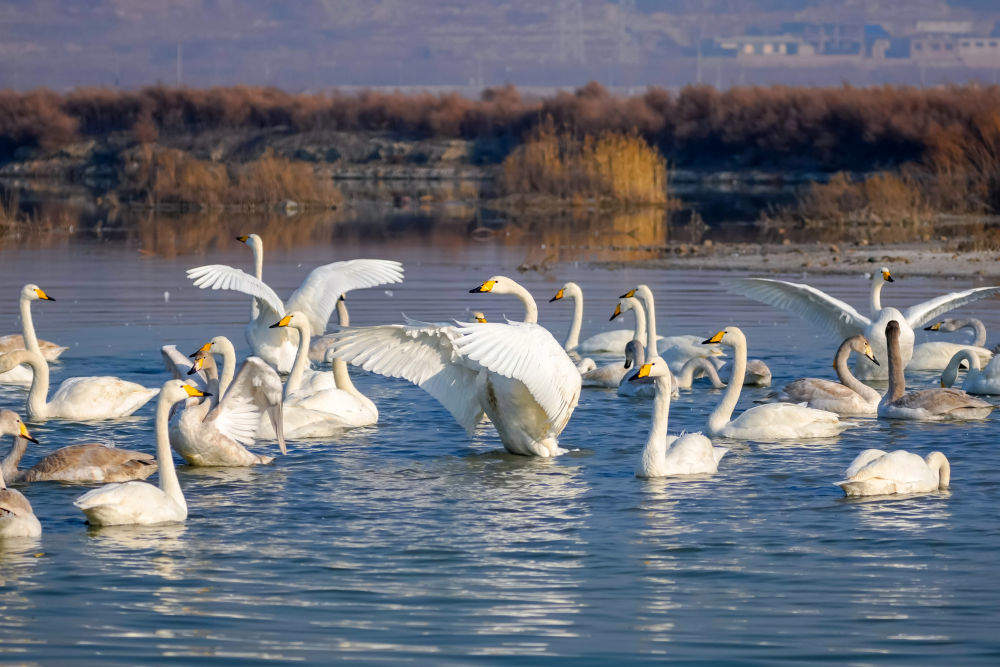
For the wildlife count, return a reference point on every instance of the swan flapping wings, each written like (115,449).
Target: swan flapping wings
(922,313)
(807,302)
(256,389)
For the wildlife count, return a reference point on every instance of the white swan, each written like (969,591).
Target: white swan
(700,367)
(758,373)
(27,340)
(635,356)
(613,374)
(664,455)
(140,503)
(841,320)
(75,464)
(772,421)
(849,397)
(315,298)
(79,398)
(924,404)
(676,350)
(935,355)
(877,473)
(516,372)
(977,380)
(322,408)
(215,432)
(17,518)
(610,342)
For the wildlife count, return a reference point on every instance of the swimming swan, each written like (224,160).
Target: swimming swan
(665,455)
(935,355)
(977,381)
(772,421)
(79,398)
(849,397)
(514,372)
(75,464)
(676,350)
(315,298)
(611,342)
(141,503)
(924,404)
(17,519)
(843,321)
(758,373)
(215,432)
(613,374)
(27,340)
(877,473)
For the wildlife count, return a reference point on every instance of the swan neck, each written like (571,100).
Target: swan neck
(341,378)
(656,444)
(169,483)
(978,328)
(301,358)
(647,298)
(8,467)
(897,379)
(530,308)
(845,375)
(724,410)
(28,327)
(38,392)
(228,368)
(573,337)
(950,373)
(876,297)
(939,464)
(640,324)
(258,272)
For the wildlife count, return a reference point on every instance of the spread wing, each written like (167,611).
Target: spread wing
(256,389)
(424,355)
(525,352)
(318,294)
(220,276)
(922,313)
(828,314)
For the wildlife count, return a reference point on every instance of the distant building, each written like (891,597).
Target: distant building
(757,46)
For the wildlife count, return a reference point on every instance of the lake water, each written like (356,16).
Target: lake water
(411,542)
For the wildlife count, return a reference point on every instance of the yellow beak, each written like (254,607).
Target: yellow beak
(644,370)
(714,339)
(42,295)
(485,287)
(194,391)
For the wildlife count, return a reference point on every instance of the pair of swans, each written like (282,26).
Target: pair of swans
(515,373)
(27,340)
(315,298)
(849,397)
(935,355)
(877,473)
(978,380)
(925,404)
(768,422)
(665,455)
(76,464)
(840,319)
(141,503)
(215,431)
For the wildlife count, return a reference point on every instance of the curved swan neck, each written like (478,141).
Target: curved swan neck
(341,377)
(530,308)
(640,324)
(724,410)
(38,392)
(950,373)
(573,337)
(876,296)
(897,379)
(977,327)
(28,326)
(937,462)
(647,298)
(8,467)
(228,371)
(846,377)
(258,271)
(686,376)
(656,444)
(169,483)
(301,357)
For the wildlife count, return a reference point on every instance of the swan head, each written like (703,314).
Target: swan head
(728,336)
(175,391)
(11,424)
(479,316)
(650,371)
(34,293)
(626,304)
(295,319)
(861,345)
(947,325)
(570,289)
(249,239)
(497,285)
(639,290)
(886,276)
(633,351)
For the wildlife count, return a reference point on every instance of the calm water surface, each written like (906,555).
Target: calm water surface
(409,541)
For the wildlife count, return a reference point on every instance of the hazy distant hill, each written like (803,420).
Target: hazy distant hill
(312,44)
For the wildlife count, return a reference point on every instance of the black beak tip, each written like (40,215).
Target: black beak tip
(553,299)
(890,280)
(623,296)
(275,325)
(49,298)
(473,290)
(875,361)
(613,316)
(707,341)
(206,393)
(192,371)
(930,328)
(30,439)
(192,355)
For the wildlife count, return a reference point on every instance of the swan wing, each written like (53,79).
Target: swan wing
(90,455)
(14,502)
(809,303)
(922,313)
(220,276)
(256,389)
(424,355)
(526,352)
(861,460)
(898,466)
(178,365)
(318,294)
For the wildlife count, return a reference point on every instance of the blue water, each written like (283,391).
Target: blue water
(410,541)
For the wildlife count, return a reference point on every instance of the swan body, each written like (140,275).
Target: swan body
(79,398)
(977,380)
(758,373)
(925,404)
(840,319)
(877,473)
(606,376)
(609,342)
(515,373)
(316,297)
(772,421)
(27,340)
(849,397)
(17,519)
(701,367)
(216,432)
(613,374)
(635,356)
(141,503)
(935,355)
(665,455)
(675,350)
